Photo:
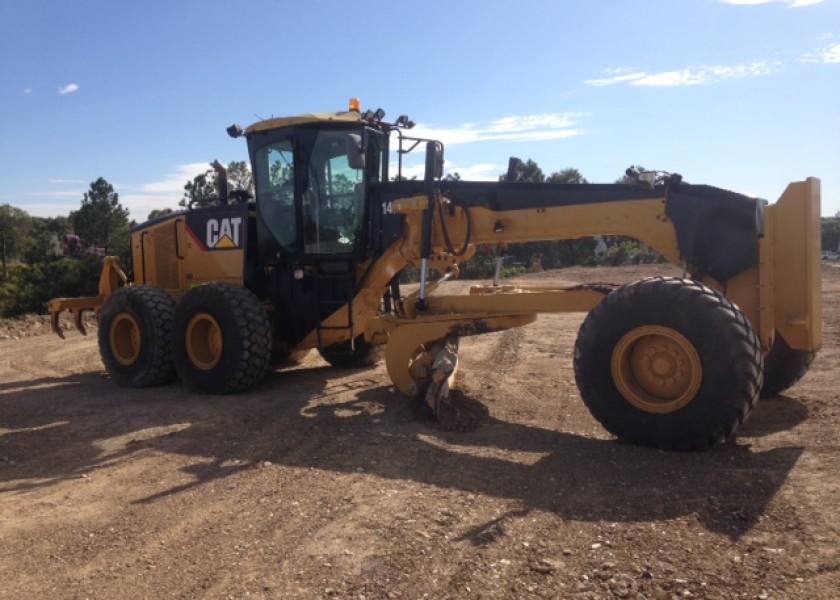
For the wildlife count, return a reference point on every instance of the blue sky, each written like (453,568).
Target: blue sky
(742,94)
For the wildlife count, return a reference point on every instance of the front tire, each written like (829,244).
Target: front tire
(222,340)
(135,336)
(358,356)
(668,363)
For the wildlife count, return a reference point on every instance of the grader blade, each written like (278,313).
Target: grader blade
(441,376)
(422,356)
(452,410)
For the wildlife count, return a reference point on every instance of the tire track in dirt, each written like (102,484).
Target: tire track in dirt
(48,356)
(485,362)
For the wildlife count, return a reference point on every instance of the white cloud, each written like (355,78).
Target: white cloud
(550,126)
(628,78)
(827,56)
(70,88)
(166,193)
(682,77)
(63,181)
(28,91)
(540,127)
(477,172)
(831,55)
(791,3)
(174,182)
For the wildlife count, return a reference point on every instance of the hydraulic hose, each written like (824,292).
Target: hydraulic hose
(449,247)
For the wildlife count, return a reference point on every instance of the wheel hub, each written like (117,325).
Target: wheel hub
(125,339)
(204,341)
(656,369)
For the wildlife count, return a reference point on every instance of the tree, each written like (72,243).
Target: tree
(14,230)
(567,176)
(202,190)
(831,234)
(527,171)
(102,221)
(159,212)
(455,176)
(554,254)
(239,176)
(46,233)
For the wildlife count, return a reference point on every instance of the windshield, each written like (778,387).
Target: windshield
(311,188)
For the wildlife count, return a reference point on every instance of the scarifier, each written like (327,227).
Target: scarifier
(221,293)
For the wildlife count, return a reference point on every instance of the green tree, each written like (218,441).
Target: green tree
(831,233)
(102,221)
(45,236)
(527,171)
(159,212)
(569,175)
(203,190)
(239,176)
(455,176)
(14,231)
(552,254)
(341,184)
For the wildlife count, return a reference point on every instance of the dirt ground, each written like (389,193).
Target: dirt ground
(326,483)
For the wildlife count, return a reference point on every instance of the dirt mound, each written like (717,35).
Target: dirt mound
(31,325)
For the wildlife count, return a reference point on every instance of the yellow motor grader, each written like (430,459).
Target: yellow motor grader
(220,293)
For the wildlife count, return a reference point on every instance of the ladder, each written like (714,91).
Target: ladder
(334,287)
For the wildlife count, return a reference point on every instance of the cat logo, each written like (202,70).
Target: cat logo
(223,234)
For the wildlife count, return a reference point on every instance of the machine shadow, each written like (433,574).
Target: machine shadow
(305,418)
(773,415)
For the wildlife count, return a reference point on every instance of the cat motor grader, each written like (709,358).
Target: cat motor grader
(220,293)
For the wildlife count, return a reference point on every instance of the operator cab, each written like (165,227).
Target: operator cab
(320,212)
(312,176)
(318,180)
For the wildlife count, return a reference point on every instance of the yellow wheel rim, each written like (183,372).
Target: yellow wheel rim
(204,341)
(656,369)
(125,339)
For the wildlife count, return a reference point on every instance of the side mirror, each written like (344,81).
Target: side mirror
(355,152)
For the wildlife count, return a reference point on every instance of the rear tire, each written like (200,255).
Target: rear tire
(222,340)
(362,354)
(783,367)
(135,336)
(668,363)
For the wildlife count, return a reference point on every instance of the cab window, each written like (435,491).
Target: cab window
(276,191)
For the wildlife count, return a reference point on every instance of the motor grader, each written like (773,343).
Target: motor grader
(221,293)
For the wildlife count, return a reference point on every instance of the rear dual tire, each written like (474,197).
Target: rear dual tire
(222,339)
(135,336)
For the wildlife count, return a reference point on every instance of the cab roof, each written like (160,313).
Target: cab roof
(275,123)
